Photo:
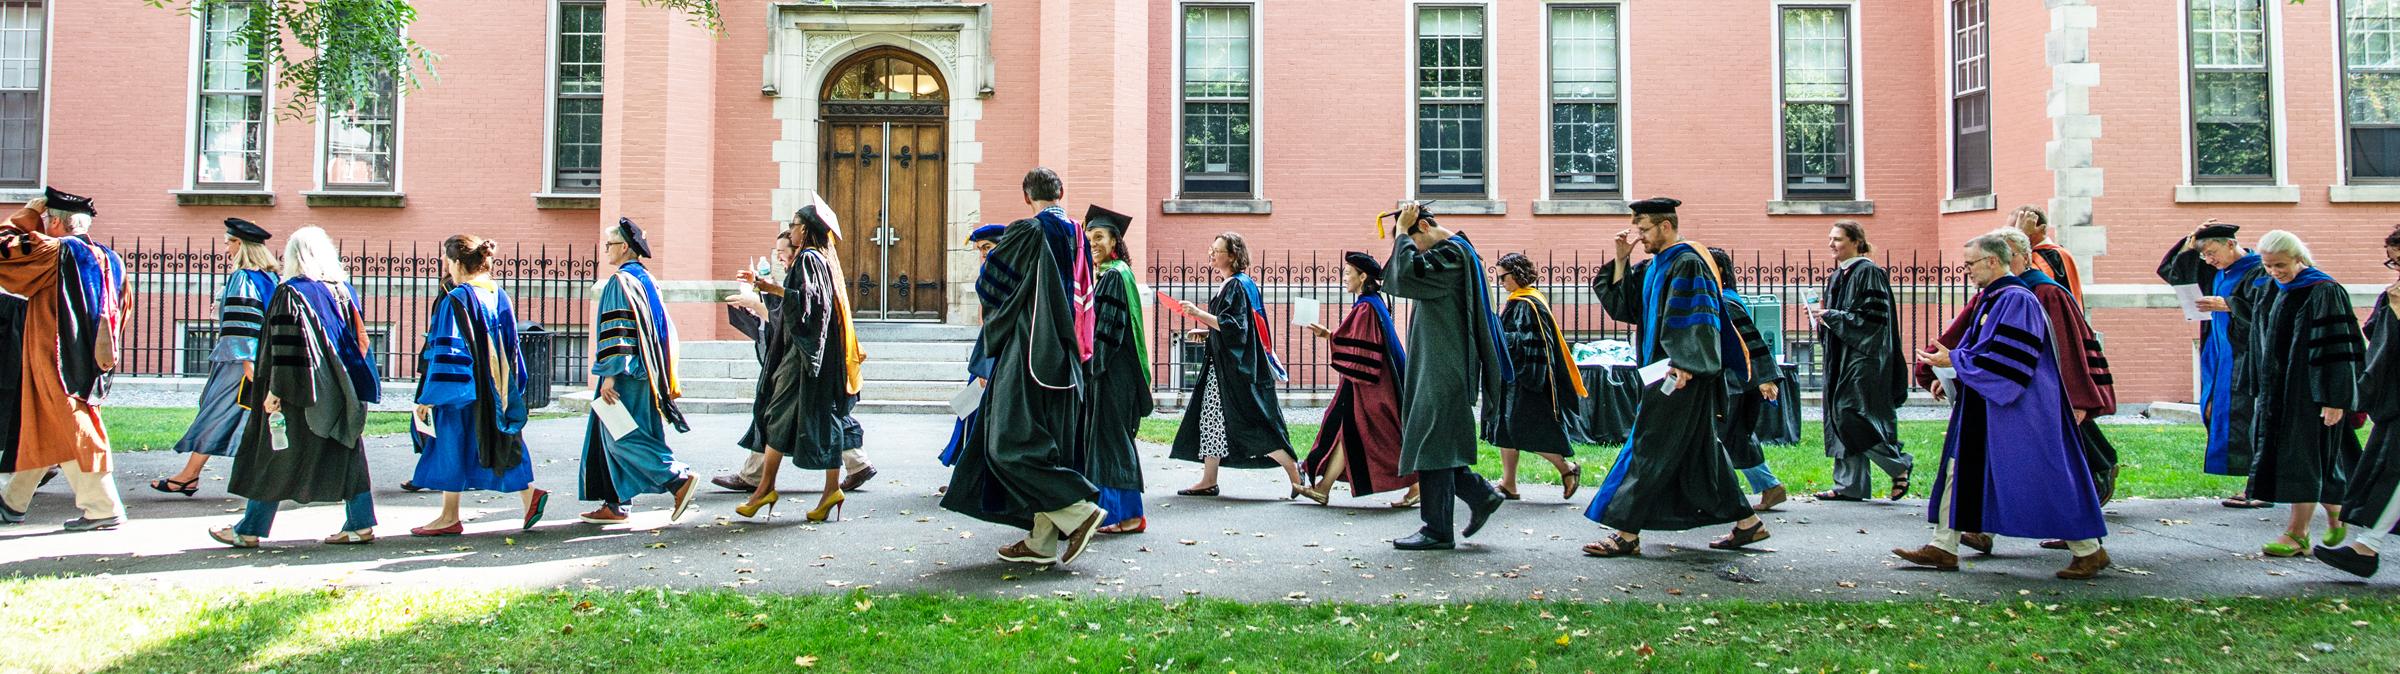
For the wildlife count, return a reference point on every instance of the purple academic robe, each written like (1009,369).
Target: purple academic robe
(2013,465)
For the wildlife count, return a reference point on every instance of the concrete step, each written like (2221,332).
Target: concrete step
(746,368)
(735,349)
(954,352)
(879,369)
(719,388)
(915,332)
(903,407)
(913,391)
(581,401)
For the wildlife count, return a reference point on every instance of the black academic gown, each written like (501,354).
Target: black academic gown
(761,331)
(1120,385)
(1238,364)
(2373,500)
(2309,359)
(1535,414)
(1016,462)
(300,363)
(1673,474)
(12,364)
(1865,379)
(806,384)
(1738,427)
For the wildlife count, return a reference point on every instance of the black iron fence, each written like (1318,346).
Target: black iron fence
(1930,290)
(174,281)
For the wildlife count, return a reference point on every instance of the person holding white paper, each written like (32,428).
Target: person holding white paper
(471,409)
(633,360)
(1674,474)
(2238,291)
(1235,420)
(1865,379)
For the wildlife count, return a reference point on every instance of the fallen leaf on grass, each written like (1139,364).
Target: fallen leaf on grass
(1562,640)
(805,661)
(1644,650)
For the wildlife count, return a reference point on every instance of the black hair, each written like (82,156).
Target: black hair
(1120,252)
(2392,240)
(1857,234)
(1516,266)
(1042,184)
(1724,268)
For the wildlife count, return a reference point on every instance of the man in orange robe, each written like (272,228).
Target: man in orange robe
(59,295)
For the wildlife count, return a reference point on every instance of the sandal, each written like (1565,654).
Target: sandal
(184,487)
(1409,501)
(1836,496)
(2280,549)
(1572,480)
(1614,546)
(1899,488)
(1507,493)
(2244,501)
(1741,537)
(359,537)
(228,537)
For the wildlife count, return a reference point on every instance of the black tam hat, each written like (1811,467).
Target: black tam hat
(68,203)
(987,233)
(2218,231)
(1365,263)
(1101,217)
(632,234)
(1656,206)
(246,230)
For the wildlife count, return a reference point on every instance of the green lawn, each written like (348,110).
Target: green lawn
(2157,461)
(139,429)
(163,628)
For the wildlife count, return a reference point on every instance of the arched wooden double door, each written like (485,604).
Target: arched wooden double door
(884,168)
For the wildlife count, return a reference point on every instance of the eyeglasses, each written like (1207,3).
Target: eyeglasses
(1971,262)
(2391,263)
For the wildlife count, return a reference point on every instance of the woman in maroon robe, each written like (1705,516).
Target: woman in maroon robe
(1360,439)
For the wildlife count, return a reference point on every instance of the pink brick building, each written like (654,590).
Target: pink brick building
(1293,122)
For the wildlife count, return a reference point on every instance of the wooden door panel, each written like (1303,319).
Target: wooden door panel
(929,218)
(859,159)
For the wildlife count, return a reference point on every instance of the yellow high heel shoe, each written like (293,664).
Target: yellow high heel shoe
(832,505)
(750,509)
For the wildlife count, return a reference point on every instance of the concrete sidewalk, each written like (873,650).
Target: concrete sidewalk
(1248,545)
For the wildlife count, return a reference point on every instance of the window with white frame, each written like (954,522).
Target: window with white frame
(231,148)
(2232,116)
(575,129)
(2371,88)
(22,25)
(362,143)
(1217,148)
(1970,98)
(1585,150)
(1451,102)
(1817,103)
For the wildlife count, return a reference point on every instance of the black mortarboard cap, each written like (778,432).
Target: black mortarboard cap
(246,230)
(1364,262)
(2218,231)
(1101,217)
(632,234)
(1656,206)
(68,203)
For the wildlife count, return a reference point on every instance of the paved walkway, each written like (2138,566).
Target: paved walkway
(1248,545)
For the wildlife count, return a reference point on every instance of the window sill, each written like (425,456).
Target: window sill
(1980,202)
(1216,206)
(550,201)
(2237,194)
(1447,207)
(1582,207)
(2363,194)
(362,199)
(1811,207)
(19,196)
(224,198)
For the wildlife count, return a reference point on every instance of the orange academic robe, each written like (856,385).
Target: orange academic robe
(54,427)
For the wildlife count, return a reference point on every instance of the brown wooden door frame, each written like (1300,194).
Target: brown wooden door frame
(885,171)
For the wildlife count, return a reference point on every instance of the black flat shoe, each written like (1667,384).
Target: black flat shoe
(2349,560)
(1477,515)
(1420,541)
(1210,491)
(410,486)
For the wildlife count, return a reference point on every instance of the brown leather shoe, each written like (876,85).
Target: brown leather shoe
(1021,553)
(858,478)
(1772,497)
(2086,567)
(1929,556)
(1980,542)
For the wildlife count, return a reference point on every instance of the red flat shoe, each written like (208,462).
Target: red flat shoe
(454,529)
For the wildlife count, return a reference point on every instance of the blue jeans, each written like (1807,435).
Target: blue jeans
(357,513)
(1761,478)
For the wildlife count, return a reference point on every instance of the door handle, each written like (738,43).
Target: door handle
(886,236)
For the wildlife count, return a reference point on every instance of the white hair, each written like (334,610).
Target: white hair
(2018,243)
(1995,245)
(2287,244)
(77,223)
(611,233)
(311,253)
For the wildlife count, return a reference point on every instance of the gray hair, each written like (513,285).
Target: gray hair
(2019,245)
(77,223)
(611,233)
(311,253)
(2287,244)
(1995,245)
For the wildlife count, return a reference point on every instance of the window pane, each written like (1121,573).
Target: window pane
(2231,124)
(359,143)
(1450,148)
(1583,52)
(2228,33)
(1583,142)
(575,133)
(227,59)
(230,130)
(2375,152)
(1816,54)
(2374,97)
(1450,52)
(2369,29)
(578,146)
(1216,52)
(1216,148)
(1816,150)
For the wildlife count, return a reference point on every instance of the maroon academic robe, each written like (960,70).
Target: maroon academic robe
(1364,418)
(2083,372)
(1948,339)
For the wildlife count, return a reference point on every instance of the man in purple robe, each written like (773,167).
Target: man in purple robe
(2013,464)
